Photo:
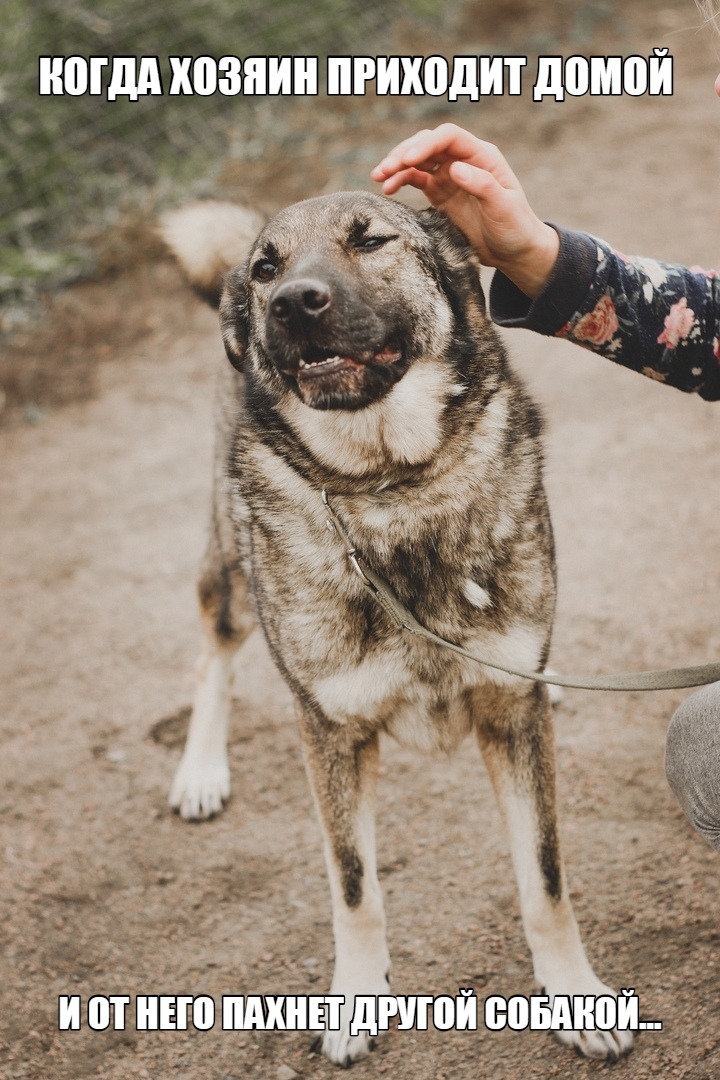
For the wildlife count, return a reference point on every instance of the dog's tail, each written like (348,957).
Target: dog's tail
(208,239)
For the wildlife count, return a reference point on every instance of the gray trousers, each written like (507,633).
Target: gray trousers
(692,760)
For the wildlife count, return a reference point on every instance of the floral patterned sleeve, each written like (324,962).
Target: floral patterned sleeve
(656,318)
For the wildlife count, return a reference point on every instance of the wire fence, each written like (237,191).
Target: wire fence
(67,162)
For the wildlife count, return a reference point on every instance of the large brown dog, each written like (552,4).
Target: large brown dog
(365,365)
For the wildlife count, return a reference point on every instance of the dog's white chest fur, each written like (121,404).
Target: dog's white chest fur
(420,713)
(383,685)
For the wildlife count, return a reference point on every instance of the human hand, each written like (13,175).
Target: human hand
(473,184)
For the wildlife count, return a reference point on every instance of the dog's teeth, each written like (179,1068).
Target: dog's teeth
(325,362)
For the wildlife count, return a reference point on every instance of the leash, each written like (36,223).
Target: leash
(666,679)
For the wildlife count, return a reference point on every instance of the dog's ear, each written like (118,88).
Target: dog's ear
(234,322)
(451,244)
(456,260)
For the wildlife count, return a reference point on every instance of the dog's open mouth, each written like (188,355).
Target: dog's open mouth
(342,377)
(316,363)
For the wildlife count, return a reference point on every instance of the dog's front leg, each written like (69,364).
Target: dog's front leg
(202,781)
(342,768)
(518,747)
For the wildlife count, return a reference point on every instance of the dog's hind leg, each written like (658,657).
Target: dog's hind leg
(517,743)
(202,781)
(342,773)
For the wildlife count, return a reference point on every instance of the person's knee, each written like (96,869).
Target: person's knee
(679,749)
(692,760)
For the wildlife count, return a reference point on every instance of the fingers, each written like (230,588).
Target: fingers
(446,143)
(441,183)
(413,177)
(477,182)
(394,160)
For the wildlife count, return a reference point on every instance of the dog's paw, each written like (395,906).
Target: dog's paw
(201,787)
(607,1046)
(343,1049)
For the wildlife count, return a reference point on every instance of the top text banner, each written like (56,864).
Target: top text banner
(461,77)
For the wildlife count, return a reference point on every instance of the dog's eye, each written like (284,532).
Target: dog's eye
(264,270)
(369,243)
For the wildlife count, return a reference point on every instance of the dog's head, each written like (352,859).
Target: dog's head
(342,294)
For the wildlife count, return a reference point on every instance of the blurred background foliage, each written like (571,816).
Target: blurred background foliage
(69,165)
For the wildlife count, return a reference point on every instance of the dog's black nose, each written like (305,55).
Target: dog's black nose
(305,297)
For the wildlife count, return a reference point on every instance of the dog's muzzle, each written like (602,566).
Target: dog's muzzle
(316,330)
(338,352)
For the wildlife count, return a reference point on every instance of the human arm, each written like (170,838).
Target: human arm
(659,319)
(471,182)
(655,318)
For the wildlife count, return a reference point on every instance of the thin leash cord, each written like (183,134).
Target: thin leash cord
(664,679)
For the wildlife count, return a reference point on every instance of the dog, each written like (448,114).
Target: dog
(363,364)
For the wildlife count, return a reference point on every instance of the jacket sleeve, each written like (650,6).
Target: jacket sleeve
(656,318)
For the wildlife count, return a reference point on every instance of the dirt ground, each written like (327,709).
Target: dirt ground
(104,891)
